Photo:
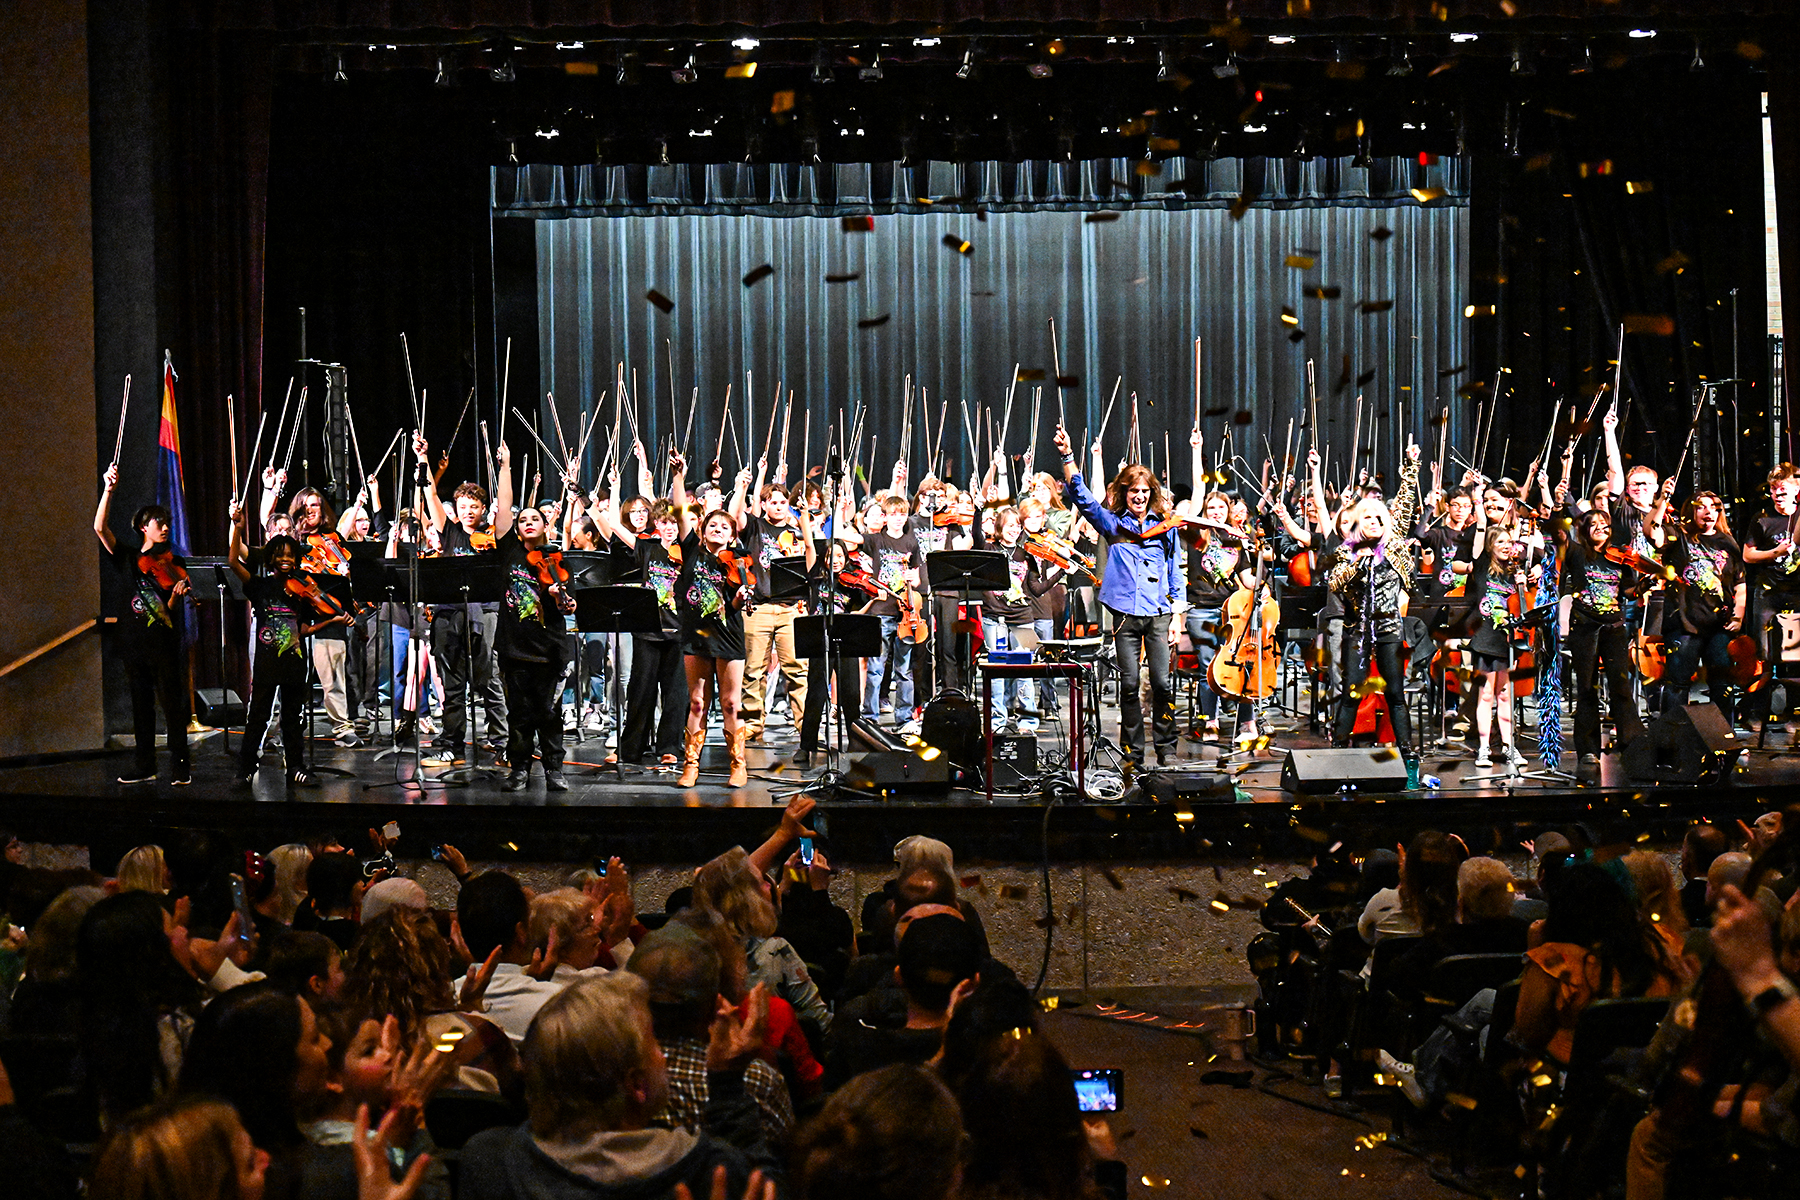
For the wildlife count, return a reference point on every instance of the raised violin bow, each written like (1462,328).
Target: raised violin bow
(280,421)
(411,387)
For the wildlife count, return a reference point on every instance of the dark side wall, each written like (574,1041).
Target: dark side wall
(49,583)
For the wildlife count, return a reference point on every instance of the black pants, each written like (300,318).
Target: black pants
(450,629)
(1591,649)
(156,675)
(263,692)
(656,671)
(533,712)
(1390,665)
(1136,639)
(849,690)
(1686,652)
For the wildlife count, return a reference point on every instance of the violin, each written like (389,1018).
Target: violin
(862,581)
(739,573)
(1641,563)
(1746,662)
(325,554)
(481,541)
(161,566)
(1047,552)
(303,586)
(953,516)
(549,567)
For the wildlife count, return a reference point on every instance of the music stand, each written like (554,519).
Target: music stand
(371,584)
(394,578)
(217,574)
(831,635)
(588,569)
(338,588)
(966,573)
(617,609)
(468,580)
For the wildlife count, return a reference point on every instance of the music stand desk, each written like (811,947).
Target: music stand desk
(1073,672)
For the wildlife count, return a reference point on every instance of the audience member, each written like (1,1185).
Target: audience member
(1701,846)
(494,914)
(334,891)
(937,952)
(392,893)
(47,1000)
(143,870)
(892,1134)
(304,964)
(290,862)
(741,894)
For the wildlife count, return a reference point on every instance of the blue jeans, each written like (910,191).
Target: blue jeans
(1687,651)
(1203,632)
(1008,690)
(892,649)
(1044,627)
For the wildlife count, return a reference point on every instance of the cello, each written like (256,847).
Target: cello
(1245,666)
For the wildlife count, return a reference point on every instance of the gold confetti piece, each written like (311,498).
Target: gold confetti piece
(1426,195)
(1509,8)
(1154,1183)
(1659,324)
(757,275)
(781,102)
(958,244)
(451,1035)
(1639,187)
(852,277)
(1381,233)
(1323,293)
(874,322)
(514,846)
(661,301)
(1541,1081)
(1031,374)
(1241,205)
(1371,686)
(1460,1100)
(1050,1003)
(1370,307)
(1100,218)
(1147,168)
(857,224)
(1182,818)
(1012,891)
(1448,65)
(1136,127)
(1289,316)
(1559,113)
(743,70)
(1299,262)
(1107,873)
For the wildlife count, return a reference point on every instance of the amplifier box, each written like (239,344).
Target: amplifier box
(1015,762)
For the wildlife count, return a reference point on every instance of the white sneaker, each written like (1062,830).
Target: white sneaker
(1482,759)
(1028,726)
(1403,1074)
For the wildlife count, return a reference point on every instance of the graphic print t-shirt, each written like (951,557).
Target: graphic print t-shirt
(280,650)
(766,542)
(1780,576)
(704,593)
(662,567)
(531,625)
(1711,566)
(152,612)
(890,558)
(1597,585)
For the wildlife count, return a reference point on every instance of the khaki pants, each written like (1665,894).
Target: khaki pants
(771,621)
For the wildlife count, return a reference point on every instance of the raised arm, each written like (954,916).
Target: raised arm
(678,480)
(236,555)
(434,507)
(102,528)
(503,493)
(273,481)
(646,482)
(753,500)
(1615,465)
(736,505)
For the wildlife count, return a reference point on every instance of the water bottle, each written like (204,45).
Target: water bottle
(999,646)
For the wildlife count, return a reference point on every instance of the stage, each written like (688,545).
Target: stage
(1237,813)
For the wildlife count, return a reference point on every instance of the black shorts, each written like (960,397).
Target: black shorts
(1487,664)
(713,642)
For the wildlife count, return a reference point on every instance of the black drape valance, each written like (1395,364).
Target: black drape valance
(545,190)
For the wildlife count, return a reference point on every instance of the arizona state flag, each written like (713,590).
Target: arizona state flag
(171,493)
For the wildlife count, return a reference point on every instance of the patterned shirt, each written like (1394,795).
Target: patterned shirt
(686,1107)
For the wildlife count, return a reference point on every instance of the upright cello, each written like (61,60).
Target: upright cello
(1245,666)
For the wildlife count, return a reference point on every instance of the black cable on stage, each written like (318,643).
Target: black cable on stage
(1049,908)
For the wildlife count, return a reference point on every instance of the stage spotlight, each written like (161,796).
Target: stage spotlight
(1521,61)
(966,68)
(821,68)
(1402,65)
(1280,39)
(745,43)
(338,74)
(1699,64)
(872,72)
(444,78)
(686,74)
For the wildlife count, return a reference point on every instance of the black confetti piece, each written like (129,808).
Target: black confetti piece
(661,301)
(1376,306)
(852,277)
(1099,218)
(758,275)
(957,244)
(874,322)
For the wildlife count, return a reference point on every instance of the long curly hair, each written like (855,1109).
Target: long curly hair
(1130,477)
(400,964)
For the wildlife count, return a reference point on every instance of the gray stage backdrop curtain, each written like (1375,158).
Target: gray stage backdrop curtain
(1129,297)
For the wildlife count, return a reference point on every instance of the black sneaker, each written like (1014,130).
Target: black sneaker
(139,776)
(515,781)
(554,782)
(182,778)
(300,779)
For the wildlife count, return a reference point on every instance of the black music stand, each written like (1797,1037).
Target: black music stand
(395,580)
(468,580)
(616,609)
(588,569)
(216,573)
(338,588)
(966,573)
(371,583)
(830,635)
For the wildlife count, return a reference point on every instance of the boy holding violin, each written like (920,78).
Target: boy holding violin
(149,634)
(290,607)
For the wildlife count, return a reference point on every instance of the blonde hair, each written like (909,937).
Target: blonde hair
(182,1153)
(1658,893)
(732,887)
(1484,889)
(143,870)
(921,851)
(566,910)
(290,862)
(581,1053)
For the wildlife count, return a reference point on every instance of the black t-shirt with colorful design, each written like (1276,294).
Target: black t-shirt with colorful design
(280,616)
(153,614)
(889,560)
(1597,585)
(531,625)
(765,541)
(1781,576)
(1014,605)
(1447,546)
(1212,572)
(1492,595)
(705,597)
(1710,566)
(662,568)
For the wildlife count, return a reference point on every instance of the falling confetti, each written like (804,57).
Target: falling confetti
(1426,195)
(1107,873)
(1381,234)
(661,301)
(1659,324)
(1012,891)
(1299,262)
(781,102)
(1031,374)
(1370,307)
(874,322)
(852,277)
(1100,218)
(857,224)
(958,244)
(1323,293)
(757,275)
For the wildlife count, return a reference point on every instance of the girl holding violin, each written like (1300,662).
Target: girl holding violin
(711,592)
(533,649)
(1371,573)
(1598,639)
(149,633)
(1139,587)
(1006,614)
(1708,607)
(1217,566)
(290,607)
(1497,586)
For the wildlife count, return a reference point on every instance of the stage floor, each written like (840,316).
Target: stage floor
(1232,809)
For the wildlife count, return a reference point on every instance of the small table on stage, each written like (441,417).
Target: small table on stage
(1071,671)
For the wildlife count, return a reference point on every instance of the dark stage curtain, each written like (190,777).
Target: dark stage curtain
(1129,296)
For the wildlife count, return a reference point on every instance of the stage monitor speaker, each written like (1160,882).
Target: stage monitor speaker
(870,736)
(1322,772)
(1691,744)
(1015,763)
(220,707)
(892,773)
(1188,787)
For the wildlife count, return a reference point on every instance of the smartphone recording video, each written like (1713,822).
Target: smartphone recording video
(1098,1090)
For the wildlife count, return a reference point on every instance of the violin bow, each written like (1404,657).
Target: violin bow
(555,421)
(411,387)
(1056,368)
(255,450)
(294,436)
(280,421)
(724,425)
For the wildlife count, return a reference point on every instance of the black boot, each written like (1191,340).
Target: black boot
(515,780)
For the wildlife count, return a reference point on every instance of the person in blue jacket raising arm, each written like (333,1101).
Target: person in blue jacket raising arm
(1140,586)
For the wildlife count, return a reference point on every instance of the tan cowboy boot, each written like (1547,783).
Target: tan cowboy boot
(734,741)
(690,767)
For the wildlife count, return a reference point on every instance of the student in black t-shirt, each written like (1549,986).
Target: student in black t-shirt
(1708,609)
(710,595)
(532,647)
(657,676)
(1775,562)
(769,532)
(284,620)
(149,632)
(897,564)
(1598,638)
